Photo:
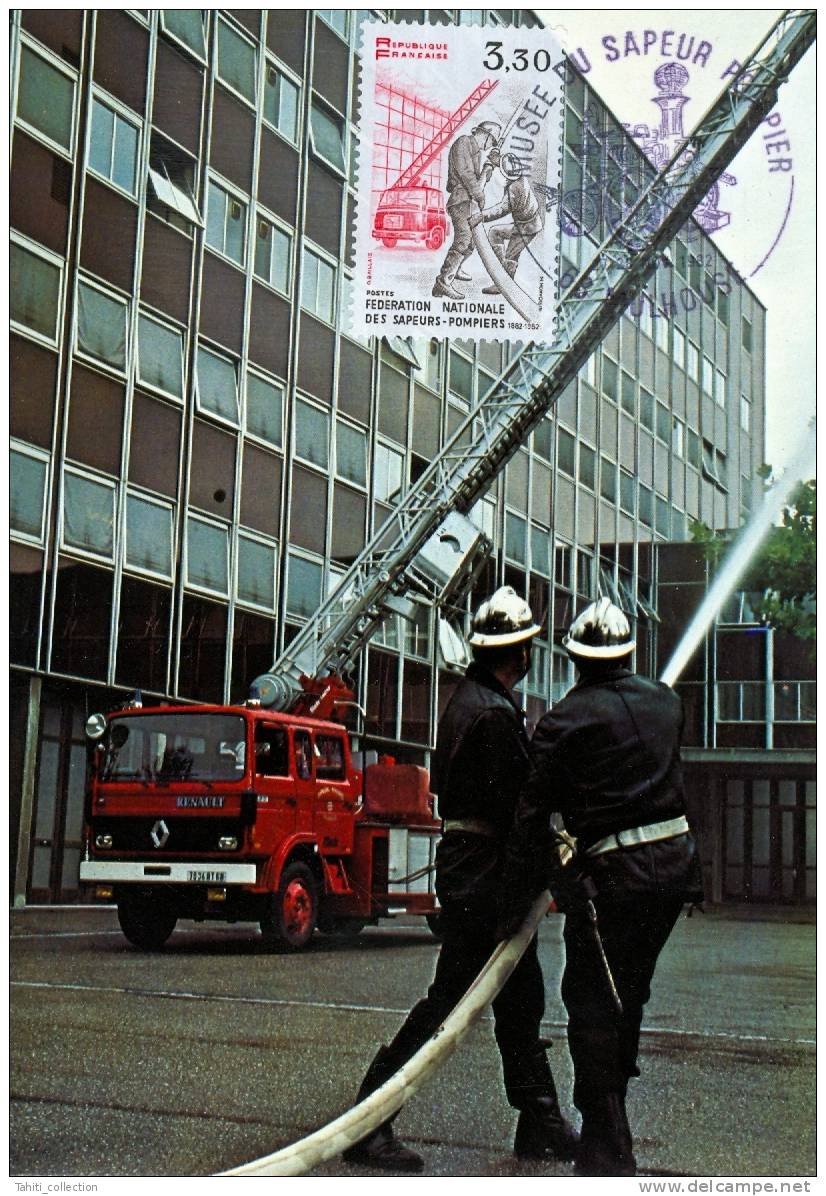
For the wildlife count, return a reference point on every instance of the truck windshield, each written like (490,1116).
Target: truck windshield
(175,747)
(410,197)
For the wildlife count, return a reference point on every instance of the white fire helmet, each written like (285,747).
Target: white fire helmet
(600,632)
(503,619)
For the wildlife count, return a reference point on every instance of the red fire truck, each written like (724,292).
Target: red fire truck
(245,814)
(415,214)
(240,813)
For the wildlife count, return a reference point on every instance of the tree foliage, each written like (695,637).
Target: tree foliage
(784,571)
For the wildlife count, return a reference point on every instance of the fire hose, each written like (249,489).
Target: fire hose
(368,1115)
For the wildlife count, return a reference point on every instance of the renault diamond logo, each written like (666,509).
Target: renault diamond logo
(159,833)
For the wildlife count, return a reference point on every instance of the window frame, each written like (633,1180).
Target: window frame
(302,401)
(126,303)
(105,483)
(355,428)
(23,449)
(52,60)
(263,216)
(335,117)
(201,57)
(274,64)
(310,248)
(251,537)
(277,384)
(199,405)
(232,195)
(52,259)
(252,43)
(216,524)
(132,492)
(169,327)
(310,558)
(123,114)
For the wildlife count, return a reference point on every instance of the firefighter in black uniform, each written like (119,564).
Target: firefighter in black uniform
(607,758)
(480,764)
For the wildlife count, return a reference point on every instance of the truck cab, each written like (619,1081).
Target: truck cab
(415,214)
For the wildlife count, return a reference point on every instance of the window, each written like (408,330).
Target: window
(460,378)
(160,356)
(610,375)
(388,466)
(207,555)
(543,440)
(236,61)
(646,512)
(187,24)
(336,18)
(795,701)
(678,348)
(745,414)
(28,473)
(113,147)
(628,394)
(565,459)
(722,306)
(312,434)
(318,286)
(663,517)
(351,453)
(663,423)
(583,572)
(45,98)
(303,586)
(540,550)
(217,385)
(708,375)
(719,388)
(677,437)
(226,220)
(711,463)
(589,371)
(327,136)
(34,290)
(101,326)
(741,701)
(281,103)
(695,456)
(627,491)
(746,334)
(516,548)
(646,409)
(265,405)
(562,566)
(608,481)
(432,367)
(587,466)
(661,331)
(148,535)
(681,258)
(88,514)
(256,572)
(646,320)
(172,184)
(272,254)
(329,758)
(693,361)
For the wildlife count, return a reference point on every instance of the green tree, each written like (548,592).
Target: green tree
(784,572)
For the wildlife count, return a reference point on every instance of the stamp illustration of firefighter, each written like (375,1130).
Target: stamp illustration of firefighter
(467,176)
(526,203)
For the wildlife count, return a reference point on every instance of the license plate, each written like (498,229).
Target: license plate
(205,877)
(393,221)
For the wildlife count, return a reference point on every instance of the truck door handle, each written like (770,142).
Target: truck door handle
(290,801)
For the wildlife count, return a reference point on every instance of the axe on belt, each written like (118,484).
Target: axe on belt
(565,849)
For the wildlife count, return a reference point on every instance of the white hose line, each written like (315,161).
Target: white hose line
(516,297)
(369,1114)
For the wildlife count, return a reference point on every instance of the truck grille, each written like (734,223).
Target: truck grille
(186,836)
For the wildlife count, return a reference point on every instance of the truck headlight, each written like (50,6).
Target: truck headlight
(95,725)
(104,841)
(228,843)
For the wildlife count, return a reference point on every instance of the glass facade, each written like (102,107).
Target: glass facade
(199,448)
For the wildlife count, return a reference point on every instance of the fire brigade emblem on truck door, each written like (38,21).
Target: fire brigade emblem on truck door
(458,183)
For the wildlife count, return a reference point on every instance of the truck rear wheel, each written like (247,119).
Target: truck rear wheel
(292,911)
(146,918)
(389,242)
(435,237)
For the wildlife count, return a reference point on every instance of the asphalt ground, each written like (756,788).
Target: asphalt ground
(214,1052)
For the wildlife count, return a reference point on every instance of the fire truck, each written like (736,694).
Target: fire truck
(258,812)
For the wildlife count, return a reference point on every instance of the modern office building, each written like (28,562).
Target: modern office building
(199,448)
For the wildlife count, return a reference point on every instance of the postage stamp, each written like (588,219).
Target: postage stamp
(458,182)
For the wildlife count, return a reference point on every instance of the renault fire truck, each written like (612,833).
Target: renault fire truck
(257,812)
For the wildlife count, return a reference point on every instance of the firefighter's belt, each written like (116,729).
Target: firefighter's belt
(653,833)
(472,826)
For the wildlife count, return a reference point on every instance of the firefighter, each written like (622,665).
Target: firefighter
(467,176)
(480,765)
(607,758)
(525,203)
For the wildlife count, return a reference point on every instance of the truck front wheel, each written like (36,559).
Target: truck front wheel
(146,918)
(292,912)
